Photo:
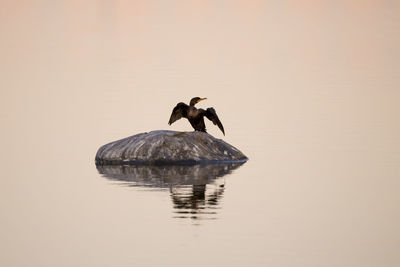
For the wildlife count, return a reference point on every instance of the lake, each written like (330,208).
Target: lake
(308,91)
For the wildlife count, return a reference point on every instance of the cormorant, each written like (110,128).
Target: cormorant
(194,115)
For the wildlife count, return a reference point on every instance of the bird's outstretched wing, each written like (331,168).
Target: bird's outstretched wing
(179,111)
(212,116)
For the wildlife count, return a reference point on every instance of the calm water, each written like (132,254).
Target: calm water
(196,191)
(308,91)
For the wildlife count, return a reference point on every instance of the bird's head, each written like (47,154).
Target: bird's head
(196,100)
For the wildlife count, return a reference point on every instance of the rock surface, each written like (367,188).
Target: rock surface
(168,147)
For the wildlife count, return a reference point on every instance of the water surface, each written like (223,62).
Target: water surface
(195,190)
(309,91)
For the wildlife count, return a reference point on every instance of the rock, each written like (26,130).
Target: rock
(168,147)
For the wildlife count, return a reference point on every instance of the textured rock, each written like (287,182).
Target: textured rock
(168,147)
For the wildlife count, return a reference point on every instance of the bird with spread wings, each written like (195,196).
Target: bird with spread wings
(195,116)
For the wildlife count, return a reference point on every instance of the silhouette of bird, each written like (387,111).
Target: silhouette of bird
(194,115)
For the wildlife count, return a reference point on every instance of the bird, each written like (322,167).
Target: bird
(195,116)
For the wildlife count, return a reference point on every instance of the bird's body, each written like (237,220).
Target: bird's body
(194,115)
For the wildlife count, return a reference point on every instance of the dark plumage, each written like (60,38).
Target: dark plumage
(195,116)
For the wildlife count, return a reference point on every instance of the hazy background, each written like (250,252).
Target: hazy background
(308,90)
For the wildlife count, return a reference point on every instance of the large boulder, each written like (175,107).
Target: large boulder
(168,147)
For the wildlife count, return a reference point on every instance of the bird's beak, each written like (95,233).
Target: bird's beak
(201,99)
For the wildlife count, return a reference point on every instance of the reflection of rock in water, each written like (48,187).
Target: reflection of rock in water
(195,190)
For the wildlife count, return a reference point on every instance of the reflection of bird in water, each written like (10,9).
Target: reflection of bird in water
(194,202)
(194,115)
(188,200)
